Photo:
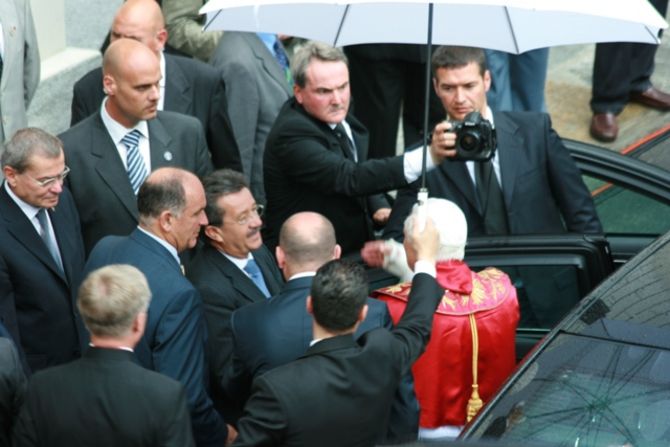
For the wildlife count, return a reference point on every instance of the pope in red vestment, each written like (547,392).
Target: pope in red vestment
(471,349)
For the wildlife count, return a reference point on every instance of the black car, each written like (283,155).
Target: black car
(602,376)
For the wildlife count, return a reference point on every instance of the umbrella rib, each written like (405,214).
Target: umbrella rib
(511,28)
(339,28)
(209,22)
(654,36)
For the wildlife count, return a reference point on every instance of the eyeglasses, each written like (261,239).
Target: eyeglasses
(45,183)
(256,211)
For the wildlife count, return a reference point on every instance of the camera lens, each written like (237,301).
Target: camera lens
(469,141)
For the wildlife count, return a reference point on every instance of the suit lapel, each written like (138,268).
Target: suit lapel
(457,173)
(24,232)
(177,88)
(509,139)
(238,279)
(159,144)
(110,167)
(267,60)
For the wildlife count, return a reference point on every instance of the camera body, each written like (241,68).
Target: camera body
(475,138)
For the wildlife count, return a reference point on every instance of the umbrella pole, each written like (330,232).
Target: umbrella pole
(423,192)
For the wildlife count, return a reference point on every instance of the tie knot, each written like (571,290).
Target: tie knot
(252,268)
(132,138)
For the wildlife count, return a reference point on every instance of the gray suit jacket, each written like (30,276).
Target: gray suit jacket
(98,179)
(21,66)
(256,90)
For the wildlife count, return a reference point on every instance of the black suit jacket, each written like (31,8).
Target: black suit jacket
(340,392)
(542,186)
(103,399)
(306,169)
(12,387)
(224,288)
(37,300)
(275,332)
(174,339)
(99,181)
(192,88)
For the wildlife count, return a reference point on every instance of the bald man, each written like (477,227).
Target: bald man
(111,152)
(172,210)
(188,86)
(275,332)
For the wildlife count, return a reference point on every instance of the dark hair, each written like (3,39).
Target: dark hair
(217,184)
(156,196)
(456,57)
(339,292)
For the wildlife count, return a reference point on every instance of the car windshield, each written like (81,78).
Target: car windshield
(604,378)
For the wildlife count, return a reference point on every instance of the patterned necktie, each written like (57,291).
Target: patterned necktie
(137,171)
(256,276)
(49,241)
(490,198)
(282,58)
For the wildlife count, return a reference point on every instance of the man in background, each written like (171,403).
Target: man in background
(105,398)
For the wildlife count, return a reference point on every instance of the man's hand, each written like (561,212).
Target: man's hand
(373,253)
(232,434)
(381,216)
(425,243)
(443,142)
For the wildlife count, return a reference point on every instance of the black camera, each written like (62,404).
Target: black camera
(475,138)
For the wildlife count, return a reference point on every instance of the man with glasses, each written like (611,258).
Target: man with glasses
(232,269)
(41,251)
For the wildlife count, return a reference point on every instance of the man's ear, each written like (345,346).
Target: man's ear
(165,220)
(108,85)
(435,85)
(308,305)
(487,80)
(297,92)
(213,233)
(363,313)
(281,257)
(162,37)
(337,251)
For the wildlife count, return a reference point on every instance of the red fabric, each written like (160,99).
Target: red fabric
(443,374)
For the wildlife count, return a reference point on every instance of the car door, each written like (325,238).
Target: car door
(551,273)
(632,197)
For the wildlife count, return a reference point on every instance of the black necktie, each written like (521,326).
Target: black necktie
(51,244)
(345,142)
(491,202)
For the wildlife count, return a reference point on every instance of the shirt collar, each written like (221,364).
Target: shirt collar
(164,243)
(268,40)
(239,262)
(29,210)
(118,131)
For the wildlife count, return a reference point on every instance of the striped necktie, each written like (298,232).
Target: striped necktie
(137,171)
(282,58)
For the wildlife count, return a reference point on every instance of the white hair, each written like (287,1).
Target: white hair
(450,223)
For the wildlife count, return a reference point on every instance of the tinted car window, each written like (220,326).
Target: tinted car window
(624,211)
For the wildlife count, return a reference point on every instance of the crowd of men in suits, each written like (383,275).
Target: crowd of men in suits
(248,326)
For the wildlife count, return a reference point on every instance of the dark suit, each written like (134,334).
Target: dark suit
(340,392)
(307,169)
(224,288)
(103,399)
(12,386)
(192,88)
(99,181)
(542,186)
(37,301)
(174,340)
(385,79)
(543,193)
(273,333)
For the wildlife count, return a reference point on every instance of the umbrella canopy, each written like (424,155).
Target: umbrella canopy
(514,26)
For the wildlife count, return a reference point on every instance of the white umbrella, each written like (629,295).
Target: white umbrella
(514,26)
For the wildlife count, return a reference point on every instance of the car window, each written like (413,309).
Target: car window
(586,392)
(624,211)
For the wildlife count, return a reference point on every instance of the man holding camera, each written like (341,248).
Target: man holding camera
(316,155)
(530,185)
